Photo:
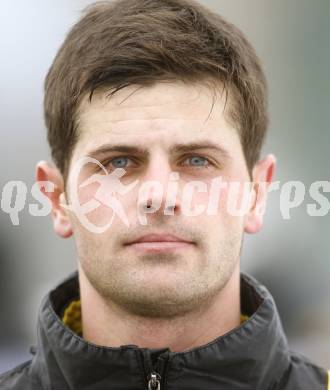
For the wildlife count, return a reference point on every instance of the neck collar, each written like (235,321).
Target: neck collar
(251,356)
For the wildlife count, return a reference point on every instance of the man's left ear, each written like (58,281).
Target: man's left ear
(262,176)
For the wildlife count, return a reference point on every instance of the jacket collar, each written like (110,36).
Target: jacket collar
(253,355)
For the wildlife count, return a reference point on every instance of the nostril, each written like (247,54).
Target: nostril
(170,210)
(149,208)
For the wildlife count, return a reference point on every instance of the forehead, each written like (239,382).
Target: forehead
(163,114)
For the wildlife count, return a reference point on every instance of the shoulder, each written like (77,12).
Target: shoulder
(302,374)
(19,378)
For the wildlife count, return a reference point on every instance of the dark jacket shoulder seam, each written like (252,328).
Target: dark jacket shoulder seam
(300,358)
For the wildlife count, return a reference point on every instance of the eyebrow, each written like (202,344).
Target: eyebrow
(176,148)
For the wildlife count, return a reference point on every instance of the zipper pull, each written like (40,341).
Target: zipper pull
(154,381)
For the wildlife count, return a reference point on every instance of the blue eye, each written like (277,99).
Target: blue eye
(198,161)
(119,162)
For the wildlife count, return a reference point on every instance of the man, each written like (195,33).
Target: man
(176,96)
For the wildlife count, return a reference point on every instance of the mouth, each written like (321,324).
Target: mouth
(162,246)
(159,243)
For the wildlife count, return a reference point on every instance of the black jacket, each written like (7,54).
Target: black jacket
(253,356)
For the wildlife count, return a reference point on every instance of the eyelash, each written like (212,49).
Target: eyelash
(209,163)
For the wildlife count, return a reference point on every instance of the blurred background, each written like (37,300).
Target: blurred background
(291,257)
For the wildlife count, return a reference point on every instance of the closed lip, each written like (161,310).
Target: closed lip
(158,238)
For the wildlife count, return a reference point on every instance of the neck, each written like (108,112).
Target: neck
(115,327)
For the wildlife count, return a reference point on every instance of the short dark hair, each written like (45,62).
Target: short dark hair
(124,42)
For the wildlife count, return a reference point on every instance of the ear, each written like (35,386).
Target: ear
(262,176)
(61,221)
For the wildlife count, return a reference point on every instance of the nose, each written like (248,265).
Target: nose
(159,190)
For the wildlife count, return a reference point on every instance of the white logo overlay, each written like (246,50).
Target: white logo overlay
(239,197)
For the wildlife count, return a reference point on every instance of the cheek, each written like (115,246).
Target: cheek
(224,207)
(105,208)
(212,202)
(99,214)
(237,198)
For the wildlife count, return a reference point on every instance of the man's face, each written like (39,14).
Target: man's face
(173,281)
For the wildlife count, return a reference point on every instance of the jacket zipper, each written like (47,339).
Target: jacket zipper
(155,377)
(154,381)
